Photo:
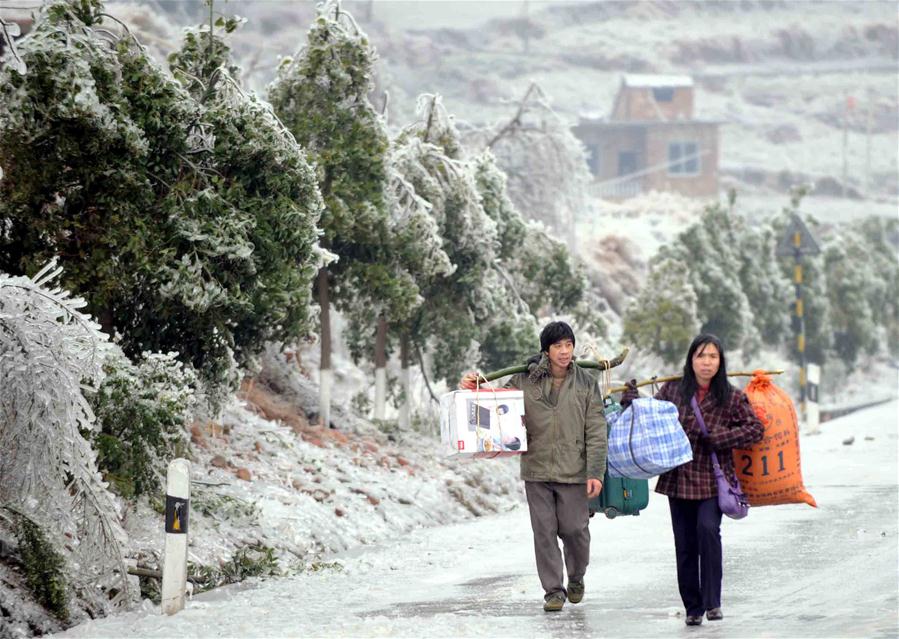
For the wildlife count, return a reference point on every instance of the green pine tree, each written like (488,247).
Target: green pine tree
(663,317)
(321,95)
(186,220)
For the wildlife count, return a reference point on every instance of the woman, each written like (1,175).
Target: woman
(691,488)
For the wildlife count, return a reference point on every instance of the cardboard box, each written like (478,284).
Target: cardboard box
(485,423)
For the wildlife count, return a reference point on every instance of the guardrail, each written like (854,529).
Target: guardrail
(828,413)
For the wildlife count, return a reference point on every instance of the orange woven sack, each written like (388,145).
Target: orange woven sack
(770,472)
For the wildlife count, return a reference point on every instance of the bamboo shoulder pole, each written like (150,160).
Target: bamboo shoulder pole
(583,363)
(673,378)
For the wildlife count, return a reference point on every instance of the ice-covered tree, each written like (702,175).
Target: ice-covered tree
(709,249)
(534,266)
(512,334)
(186,226)
(545,163)
(9,31)
(768,292)
(663,318)
(491,183)
(851,316)
(549,278)
(321,95)
(879,239)
(49,349)
(862,273)
(473,304)
(142,409)
(448,323)
(264,184)
(414,251)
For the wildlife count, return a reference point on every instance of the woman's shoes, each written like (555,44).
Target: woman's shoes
(713,614)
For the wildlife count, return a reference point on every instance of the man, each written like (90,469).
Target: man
(565,460)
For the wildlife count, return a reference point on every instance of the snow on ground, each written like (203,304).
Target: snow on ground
(266,476)
(790,571)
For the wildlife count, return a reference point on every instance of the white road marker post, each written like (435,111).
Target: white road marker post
(812,415)
(177,516)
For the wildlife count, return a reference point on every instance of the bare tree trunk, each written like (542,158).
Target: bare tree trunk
(381,368)
(406,381)
(326,375)
(106,321)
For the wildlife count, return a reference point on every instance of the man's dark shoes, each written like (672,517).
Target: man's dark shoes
(575,591)
(554,602)
(714,614)
(694,620)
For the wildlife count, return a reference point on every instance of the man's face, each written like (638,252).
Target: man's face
(560,353)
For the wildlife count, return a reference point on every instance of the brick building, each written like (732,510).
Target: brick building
(651,141)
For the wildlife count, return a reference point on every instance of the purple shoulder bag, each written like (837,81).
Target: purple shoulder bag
(731,499)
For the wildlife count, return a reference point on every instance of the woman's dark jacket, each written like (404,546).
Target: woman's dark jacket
(733,425)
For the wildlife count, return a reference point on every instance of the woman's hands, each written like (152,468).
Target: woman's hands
(630,393)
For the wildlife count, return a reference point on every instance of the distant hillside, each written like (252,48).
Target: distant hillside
(778,74)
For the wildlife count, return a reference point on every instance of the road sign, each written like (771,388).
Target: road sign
(797,240)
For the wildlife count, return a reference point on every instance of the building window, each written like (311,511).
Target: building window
(627,163)
(663,94)
(593,158)
(683,158)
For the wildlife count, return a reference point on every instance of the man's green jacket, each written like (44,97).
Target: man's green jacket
(567,441)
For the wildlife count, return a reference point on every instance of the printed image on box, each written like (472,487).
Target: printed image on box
(483,422)
(478,416)
(503,435)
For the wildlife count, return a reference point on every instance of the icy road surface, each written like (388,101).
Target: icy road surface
(790,571)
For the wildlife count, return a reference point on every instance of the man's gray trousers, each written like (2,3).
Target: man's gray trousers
(559,511)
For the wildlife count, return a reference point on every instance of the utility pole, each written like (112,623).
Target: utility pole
(845,142)
(869,115)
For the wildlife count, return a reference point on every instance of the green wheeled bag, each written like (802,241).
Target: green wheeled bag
(619,496)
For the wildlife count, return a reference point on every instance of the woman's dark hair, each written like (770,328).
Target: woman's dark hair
(719,387)
(555,332)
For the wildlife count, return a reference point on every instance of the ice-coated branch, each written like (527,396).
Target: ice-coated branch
(48,470)
(8,31)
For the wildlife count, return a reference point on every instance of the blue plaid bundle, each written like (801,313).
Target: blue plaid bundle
(647,440)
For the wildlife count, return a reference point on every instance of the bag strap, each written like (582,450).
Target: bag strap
(480,432)
(695,405)
(630,440)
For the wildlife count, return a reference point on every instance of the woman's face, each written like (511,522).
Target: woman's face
(706,361)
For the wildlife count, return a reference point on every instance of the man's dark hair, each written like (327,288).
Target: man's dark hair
(555,332)
(719,387)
